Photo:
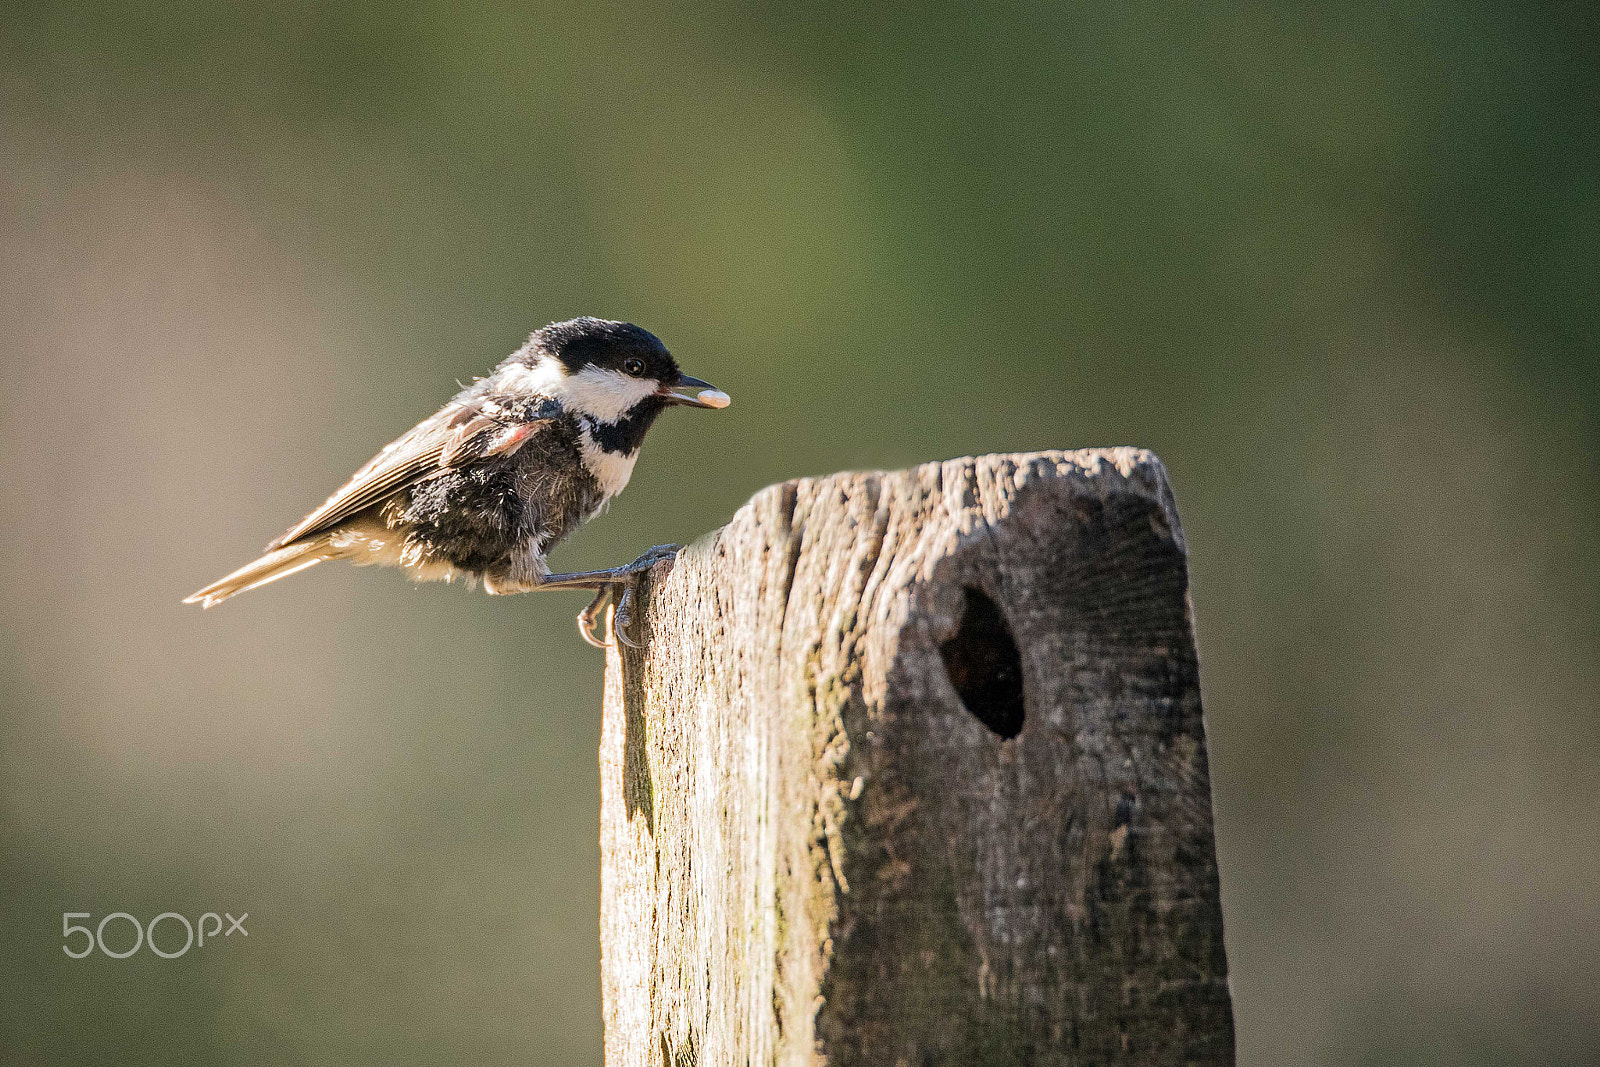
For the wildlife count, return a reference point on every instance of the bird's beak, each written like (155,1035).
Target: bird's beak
(694,393)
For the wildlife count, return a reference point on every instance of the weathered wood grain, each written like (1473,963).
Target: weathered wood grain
(912,771)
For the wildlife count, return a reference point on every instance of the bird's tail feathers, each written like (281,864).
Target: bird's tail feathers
(279,563)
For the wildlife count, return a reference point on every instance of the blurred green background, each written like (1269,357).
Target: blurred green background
(1336,264)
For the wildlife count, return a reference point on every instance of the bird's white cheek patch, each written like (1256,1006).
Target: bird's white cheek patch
(605,394)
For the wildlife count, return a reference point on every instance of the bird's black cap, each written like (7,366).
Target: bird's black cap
(586,341)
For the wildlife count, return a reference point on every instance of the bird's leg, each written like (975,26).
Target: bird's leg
(611,575)
(606,583)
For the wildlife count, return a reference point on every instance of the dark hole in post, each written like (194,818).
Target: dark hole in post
(984,665)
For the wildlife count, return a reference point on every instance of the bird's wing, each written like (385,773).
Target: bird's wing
(457,434)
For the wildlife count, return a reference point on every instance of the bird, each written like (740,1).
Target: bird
(483,489)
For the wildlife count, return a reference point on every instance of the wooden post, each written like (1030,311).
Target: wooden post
(911,770)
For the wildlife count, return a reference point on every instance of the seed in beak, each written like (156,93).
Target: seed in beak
(713,398)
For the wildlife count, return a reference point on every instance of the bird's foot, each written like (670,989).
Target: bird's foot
(618,588)
(647,562)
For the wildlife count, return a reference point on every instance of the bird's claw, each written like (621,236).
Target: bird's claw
(622,617)
(589,617)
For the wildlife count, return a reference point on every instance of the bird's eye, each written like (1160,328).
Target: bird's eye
(634,367)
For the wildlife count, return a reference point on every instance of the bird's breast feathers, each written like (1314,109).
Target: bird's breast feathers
(594,403)
(610,469)
(602,405)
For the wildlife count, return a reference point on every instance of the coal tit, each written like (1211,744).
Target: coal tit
(486,487)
